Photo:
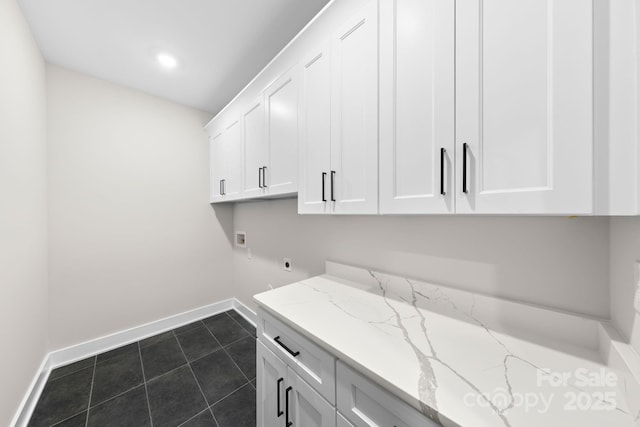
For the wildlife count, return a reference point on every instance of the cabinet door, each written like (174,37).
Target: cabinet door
(232,156)
(281,100)
(270,387)
(315,132)
(256,149)
(417,106)
(354,114)
(306,407)
(216,166)
(524,106)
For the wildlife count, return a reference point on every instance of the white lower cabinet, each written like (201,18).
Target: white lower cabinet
(284,399)
(295,391)
(270,387)
(366,404)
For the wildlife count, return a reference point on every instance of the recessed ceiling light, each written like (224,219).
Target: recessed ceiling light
(166,60)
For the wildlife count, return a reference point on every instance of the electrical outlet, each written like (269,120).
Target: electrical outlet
(248,253)
(286,264)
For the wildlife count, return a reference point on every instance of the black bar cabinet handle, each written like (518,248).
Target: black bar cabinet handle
(220,185)
(288,350)
(465,147)
(278,394)
(224,187)
(442,154)
(286,404)
(259,177)
(333,178)
(264,177)
(324,177)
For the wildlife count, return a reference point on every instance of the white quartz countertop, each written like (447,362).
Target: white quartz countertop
(452,356)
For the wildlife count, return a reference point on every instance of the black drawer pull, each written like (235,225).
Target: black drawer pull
(278,391)
(286,404)
(281,344)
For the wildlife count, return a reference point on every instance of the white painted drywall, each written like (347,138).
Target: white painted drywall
(133,238)
(625,277)
(553,261)
(23,210)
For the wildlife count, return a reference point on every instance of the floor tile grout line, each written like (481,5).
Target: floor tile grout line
(164,374)
(227,353)
(232,342)
(175,334)
(116,396)
(238,340)
(49,379)
(68,418)
(206,401)
(117,355)
(196,415)
(241,325)
(215,420)
(93,378)
(227,395)
(234,362)
(144,380)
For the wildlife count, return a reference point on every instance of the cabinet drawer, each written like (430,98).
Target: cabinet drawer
(365,404)
(310,362)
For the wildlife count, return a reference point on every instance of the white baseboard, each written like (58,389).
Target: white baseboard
(90,348)
(28,404)
(245,312)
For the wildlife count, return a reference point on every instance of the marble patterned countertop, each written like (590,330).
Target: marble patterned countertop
(460,358)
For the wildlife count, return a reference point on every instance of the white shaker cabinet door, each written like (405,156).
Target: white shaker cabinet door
(271,377)
(354,114)
(281,99)
(216,166)
(306,407)
(256,149)
(314,156)
(524,106)
(231,155)
(417,110)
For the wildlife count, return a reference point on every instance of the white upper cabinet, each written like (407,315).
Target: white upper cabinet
(314,150)
(216,166)
(441,107)
(280,173)
(338,162)
(354,114)
(226,163)
(256,149)
(417,147)
(524,106)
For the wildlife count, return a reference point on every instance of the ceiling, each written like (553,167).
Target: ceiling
(220,45)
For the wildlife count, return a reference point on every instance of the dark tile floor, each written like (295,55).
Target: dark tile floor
(198,375)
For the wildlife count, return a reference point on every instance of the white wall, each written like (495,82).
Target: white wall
(625,277)
(23,210)
(133,238)
(558,262)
